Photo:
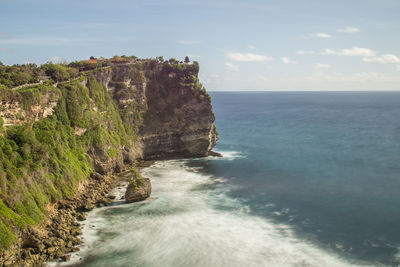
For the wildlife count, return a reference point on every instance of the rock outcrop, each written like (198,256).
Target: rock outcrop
(173,108)
(168,107)
(19,109)
(138,190)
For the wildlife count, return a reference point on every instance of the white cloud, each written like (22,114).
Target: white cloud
(330,52)
(262,78)
(248,57)
(252,47)
(288,61)
(389,58)
(348,29)
(232,67)
(367,54)
(354,51)
(398,68)
(322,35)
(188,42)
(302,52)
(358,51)
(322,66)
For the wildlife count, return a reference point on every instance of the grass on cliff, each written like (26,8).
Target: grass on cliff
(44,161)
(136,179)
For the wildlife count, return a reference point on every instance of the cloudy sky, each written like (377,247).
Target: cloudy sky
(241,45)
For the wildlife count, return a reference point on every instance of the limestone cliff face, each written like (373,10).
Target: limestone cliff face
(178,121)
(165,104)
(169,106)
(167,109)
(18,109)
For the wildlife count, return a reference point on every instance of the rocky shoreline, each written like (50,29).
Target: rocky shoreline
(59,234)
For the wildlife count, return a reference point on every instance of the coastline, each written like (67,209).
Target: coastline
(116,191)
(116,194)
(60,235)
(191,215)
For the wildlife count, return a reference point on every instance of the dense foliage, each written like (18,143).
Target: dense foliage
(11,76)
(39,164)
(43,162)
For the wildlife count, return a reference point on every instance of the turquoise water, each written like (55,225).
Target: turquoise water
(307,179)
(329,162)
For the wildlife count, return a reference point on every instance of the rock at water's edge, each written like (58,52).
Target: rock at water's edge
(214,154)
(139,192)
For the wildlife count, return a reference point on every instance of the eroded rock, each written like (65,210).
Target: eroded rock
(138,191)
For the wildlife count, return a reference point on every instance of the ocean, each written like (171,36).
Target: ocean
(307,179)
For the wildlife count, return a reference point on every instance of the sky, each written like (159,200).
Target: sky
(253,45)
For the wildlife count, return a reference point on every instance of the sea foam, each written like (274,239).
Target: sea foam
(191,221)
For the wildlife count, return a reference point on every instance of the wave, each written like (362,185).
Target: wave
(189,224)
(230,155)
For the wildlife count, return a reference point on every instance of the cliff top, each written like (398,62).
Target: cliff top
(18,76)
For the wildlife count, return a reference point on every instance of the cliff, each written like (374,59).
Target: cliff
(174,110)
(83,123)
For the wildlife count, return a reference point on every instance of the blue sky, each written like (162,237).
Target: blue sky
(241,45)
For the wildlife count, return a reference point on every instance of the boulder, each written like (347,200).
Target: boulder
(66,257)
(86,206)
(214,154)
(138,190)
(103,202)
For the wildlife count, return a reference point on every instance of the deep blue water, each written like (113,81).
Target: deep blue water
(307,179)
(329,162)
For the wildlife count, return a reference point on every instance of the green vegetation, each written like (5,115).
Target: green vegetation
(44,160)
(86,66)
(59,72)
(39,165)
(176,76)
(29,96)
(136,178)
(11,76)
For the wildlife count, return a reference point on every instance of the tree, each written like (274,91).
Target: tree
(187,60)
(173,61)
(92,57)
